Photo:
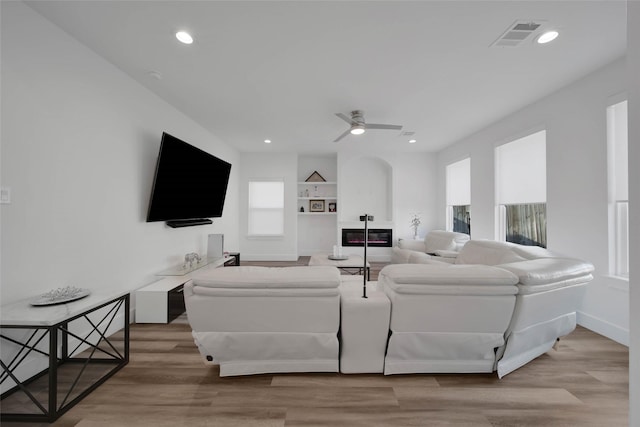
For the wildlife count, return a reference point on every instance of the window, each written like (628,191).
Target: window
(458,181)
(266,208)
(618,171)
(521,191)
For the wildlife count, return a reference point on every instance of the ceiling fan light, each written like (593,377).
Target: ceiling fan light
(357,130)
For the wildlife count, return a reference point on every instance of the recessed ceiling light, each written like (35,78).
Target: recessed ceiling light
(412,141)
(547,37)
(267,141)
(184,37)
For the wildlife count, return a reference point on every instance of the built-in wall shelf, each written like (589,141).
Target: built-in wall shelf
(317,213)
(317,183)
(318,200)
(317,197)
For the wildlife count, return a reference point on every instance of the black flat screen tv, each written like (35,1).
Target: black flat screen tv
(190,185)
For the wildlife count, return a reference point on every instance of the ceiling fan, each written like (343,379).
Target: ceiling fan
(358,126)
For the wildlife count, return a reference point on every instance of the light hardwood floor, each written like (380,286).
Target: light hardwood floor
(583,383)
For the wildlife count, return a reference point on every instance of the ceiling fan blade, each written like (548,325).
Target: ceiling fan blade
(375,126)
(342,136)
(345,118)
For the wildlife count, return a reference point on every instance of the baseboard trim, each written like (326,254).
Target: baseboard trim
(602,327)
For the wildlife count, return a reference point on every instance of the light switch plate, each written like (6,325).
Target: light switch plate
(5,195)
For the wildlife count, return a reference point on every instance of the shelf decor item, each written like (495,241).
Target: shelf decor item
(60,295)
(332,207)
(415,223)
(315,177)
(316,205)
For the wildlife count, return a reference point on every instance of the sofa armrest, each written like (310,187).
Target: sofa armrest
(414,245)
(545,271)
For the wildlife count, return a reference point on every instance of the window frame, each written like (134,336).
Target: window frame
(500,204)
(618,206)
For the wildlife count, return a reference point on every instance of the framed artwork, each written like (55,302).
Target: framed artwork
(332,207)
(316,205)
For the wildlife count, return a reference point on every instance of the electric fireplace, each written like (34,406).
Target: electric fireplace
(378,237)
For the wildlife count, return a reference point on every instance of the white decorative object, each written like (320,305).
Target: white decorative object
(61,295)
(415,223)
(190,258)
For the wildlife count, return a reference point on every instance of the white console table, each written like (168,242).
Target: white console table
(162,301)
(71,339)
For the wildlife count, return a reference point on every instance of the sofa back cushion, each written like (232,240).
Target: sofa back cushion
(255,277)
(488,252)
(444,240)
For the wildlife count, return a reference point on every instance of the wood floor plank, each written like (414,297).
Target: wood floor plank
(382,417)
(314,397)
(567,417)
(141,415)
(482,398)
(362,380)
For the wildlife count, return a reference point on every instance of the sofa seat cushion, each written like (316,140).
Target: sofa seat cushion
(255,277)
(549,271)
(444,240)
(488,252)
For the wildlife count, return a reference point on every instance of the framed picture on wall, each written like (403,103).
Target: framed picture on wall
(316,205)
(332,207)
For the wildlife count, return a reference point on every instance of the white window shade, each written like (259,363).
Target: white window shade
(266,208)
(458,176)
(521,170)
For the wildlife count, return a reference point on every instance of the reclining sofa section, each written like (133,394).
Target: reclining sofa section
(550,291)
(446,318)
(252,320)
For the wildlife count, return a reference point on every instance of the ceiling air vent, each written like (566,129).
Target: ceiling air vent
(517,32)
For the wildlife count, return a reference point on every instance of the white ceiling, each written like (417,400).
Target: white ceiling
(281,70)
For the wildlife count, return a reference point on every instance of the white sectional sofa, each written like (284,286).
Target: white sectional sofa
(549,292)
(494,307)
(252,320)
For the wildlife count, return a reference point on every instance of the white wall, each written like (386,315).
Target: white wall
(80,141)
(366,182)
(413,189)
(575,120)
(265,166)
(633,65)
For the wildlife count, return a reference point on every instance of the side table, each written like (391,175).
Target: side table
(72,340)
